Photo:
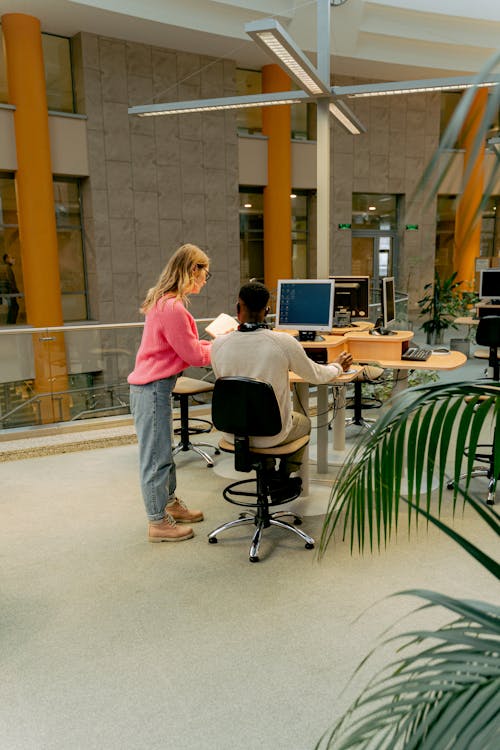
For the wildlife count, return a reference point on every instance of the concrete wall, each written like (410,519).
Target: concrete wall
(157,182)
(402,134)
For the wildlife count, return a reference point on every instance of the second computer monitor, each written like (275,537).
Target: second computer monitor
(388,299)
(352,296)
(489,284)
(305,305)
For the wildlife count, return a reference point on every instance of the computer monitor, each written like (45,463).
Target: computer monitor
(489,284)
(352,294)
(305,305)
(388,299)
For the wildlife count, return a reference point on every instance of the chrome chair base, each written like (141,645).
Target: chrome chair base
(246,518)
(197,449)
(492,484)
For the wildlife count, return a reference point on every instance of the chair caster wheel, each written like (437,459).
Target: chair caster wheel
(490,502)
(253,558)
(217,452)
(297,522)
(450,485)
(212,540)
(309,545)
(210,466)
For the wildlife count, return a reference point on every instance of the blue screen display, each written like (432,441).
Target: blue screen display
(303,304)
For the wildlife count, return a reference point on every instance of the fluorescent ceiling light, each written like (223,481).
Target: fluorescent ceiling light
(273,38)
(346,117)
(414,87)
(213,105)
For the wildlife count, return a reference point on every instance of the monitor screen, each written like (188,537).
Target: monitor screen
(305,304)
(352,294)
(388,297)
(489,283)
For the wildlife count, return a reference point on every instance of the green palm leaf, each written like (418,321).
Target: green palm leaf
(423,424)
(444,696)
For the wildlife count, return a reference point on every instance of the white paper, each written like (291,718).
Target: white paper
(223,323)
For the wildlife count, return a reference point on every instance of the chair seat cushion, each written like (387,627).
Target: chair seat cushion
(190,386)
(278,450)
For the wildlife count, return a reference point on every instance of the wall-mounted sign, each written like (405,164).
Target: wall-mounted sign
(344,226)
(412,227)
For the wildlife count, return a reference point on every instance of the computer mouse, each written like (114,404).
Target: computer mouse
(440,350)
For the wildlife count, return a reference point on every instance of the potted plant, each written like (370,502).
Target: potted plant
(466,301)
(440,304)
(442,691)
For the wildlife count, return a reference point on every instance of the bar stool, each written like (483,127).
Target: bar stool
(368,374)
(184,388)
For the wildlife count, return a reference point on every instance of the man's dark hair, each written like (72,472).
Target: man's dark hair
(5,256)
(255,296)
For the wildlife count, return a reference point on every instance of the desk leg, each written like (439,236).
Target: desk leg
(322,429)
(401,382)
(339,420)
(301,404)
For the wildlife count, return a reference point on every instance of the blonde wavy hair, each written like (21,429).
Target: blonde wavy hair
(178,276)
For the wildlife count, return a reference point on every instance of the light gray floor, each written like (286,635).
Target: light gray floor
(109,642)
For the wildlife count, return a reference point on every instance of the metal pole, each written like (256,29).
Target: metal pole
(323,184)
(323,144)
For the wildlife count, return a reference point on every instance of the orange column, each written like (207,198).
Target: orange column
(276,121)
(468,218)
(35,199)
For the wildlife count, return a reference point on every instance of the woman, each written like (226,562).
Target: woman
(169,344)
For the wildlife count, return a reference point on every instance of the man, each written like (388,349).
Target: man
(255,351)
(8,286)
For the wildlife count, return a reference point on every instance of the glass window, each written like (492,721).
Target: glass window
(70,245)
(445,231)
(300,235)
(71,257)
(249,121)
(374,211)
(9,243)
(251,234)
(449,102)
(58,77)
(4,96)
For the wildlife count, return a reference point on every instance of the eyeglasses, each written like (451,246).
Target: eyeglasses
(208,275)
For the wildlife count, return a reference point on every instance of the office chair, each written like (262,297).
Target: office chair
(184,388)
(368,374)
(245,407)
(488,334)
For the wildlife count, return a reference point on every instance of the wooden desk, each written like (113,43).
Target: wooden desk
(449,361)
(365,347)
(383,350)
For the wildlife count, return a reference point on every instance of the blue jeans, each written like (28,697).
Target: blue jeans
(151,407)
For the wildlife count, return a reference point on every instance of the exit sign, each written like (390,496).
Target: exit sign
(412,227)
(344,226)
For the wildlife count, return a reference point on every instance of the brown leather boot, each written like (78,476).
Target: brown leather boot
(181,513)
(168,531)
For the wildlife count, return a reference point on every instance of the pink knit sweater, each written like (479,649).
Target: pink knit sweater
(169,343)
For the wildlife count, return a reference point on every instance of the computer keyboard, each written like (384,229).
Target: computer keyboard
(416,354)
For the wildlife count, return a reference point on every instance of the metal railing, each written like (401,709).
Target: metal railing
(76,372)
(67,373)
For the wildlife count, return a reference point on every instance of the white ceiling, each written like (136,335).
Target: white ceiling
(376,39)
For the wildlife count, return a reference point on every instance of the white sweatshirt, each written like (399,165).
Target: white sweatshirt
(269,355)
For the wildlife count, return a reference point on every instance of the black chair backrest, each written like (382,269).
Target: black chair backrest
(244,406)
(488,334)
